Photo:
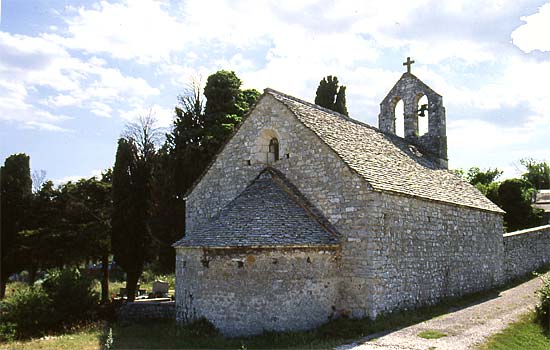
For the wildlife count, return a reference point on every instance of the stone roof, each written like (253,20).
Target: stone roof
(387,162)
(270,212)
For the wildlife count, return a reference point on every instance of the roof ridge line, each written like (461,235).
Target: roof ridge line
(346,117)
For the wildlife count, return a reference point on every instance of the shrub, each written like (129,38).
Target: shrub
(8,331)
(72,296)
(28,310)
(64,299)
(542,310)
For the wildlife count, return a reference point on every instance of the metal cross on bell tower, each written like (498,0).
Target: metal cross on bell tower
(408,64)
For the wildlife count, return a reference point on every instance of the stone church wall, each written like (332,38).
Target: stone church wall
(396,252)
(247,292)
(526,250)
(311,166)
(337,192)
(419,252)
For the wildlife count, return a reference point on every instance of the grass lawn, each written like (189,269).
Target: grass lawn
(88,338)
(431,334)
(522,335)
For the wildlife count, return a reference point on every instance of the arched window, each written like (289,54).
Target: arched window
(268,147)
(274,149)
(399,112)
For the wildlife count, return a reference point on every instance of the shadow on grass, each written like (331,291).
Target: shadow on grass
(167,334)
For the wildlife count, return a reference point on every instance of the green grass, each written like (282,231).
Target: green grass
(431,334)
(90,337)
(525,334)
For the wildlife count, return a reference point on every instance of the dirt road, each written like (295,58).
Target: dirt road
(464,329)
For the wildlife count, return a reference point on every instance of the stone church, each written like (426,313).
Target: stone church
(307,214)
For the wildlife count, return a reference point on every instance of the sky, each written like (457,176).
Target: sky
(73,73)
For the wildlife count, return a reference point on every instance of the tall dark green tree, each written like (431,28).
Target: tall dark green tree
(89,213)
(514,197)
(41,244)
(199,133)
(131,237)
(15,198)
(226,104)
(330,96)
(203,123)
(340,103)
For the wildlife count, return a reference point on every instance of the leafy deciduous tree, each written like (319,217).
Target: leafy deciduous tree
(538,173)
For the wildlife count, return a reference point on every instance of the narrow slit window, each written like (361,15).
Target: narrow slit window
(274,148)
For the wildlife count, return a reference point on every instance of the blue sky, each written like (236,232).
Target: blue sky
(72,73)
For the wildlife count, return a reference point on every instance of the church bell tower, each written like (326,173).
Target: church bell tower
(410,90)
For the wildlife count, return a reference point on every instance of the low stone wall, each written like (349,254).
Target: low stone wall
(141,311)
(526,250)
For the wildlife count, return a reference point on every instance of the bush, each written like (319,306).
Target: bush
(28,310)
(542,310)
(8,331)
(71,295)
(64,299)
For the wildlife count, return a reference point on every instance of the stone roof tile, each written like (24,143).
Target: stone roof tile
(268,213)
(387,162)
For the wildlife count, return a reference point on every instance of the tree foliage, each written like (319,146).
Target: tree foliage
(131,237)
(514,197)
(538,173)
(330,96)
(203,123)
(15,197)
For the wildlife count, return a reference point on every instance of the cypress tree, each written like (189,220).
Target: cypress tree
(328,95)
(15,198)
(340,104)
(131,235)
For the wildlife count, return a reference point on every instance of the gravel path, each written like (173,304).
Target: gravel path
(465,328)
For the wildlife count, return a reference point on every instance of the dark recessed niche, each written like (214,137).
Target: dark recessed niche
(205,263)
(287,155)
(240,264)
(248,162)
(308,260)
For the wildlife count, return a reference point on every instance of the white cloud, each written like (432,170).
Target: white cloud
(130,30)
(28,64)
(533,34)
(14,108)
(75,178)
(163,116)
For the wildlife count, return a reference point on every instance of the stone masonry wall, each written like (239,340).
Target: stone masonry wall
(311,166)
(146,310)
(418,252)
(247,292)
(526,250)
(396,251)
(319,174)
